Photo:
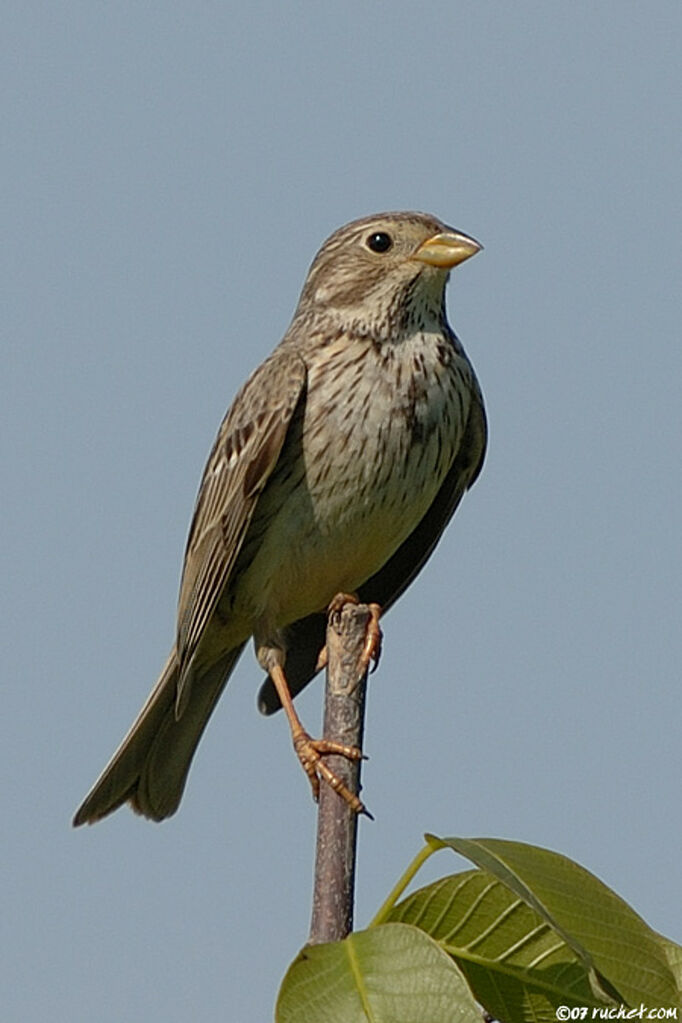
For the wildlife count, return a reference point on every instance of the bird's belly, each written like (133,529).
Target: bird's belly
(331,554)
(326,544)
(360,491)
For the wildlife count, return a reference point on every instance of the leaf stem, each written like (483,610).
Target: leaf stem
(402,883)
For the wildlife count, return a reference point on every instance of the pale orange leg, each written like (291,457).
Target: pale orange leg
(372,648)
(309,751)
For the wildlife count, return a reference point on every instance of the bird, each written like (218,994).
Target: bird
(335,471)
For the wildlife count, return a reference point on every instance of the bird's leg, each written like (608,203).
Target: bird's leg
(372,648)
(310,751)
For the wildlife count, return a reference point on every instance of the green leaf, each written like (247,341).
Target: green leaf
(673,955)
(517,966)
(389,974)
(603,931)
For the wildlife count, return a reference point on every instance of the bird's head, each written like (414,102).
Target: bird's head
(384,274)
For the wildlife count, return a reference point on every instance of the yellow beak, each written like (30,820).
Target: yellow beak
(446,249)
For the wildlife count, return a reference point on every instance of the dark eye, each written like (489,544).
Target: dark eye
(379,241)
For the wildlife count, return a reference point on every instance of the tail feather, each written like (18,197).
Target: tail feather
(149,769)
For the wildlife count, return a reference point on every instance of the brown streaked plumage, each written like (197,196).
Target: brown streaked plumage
(336,469)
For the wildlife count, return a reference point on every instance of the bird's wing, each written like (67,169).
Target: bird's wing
(306,637)
(244,454)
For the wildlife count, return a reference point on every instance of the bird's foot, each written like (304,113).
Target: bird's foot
(310,752)
(373,635)
(371,652)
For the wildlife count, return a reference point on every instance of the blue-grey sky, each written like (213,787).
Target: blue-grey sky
(170,171)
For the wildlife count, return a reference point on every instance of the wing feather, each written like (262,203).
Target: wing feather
(244,454)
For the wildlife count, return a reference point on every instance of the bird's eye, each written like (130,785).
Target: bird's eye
(379,241)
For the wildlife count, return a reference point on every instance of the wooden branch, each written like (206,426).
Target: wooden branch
(344,710)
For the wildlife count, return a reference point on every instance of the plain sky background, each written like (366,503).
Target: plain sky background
(170,170)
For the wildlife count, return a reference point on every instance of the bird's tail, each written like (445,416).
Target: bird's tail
(149,769)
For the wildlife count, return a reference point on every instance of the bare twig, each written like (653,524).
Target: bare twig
(344,710)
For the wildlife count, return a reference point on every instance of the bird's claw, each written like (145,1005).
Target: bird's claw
(373,637)
(310,752)
(371,651)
